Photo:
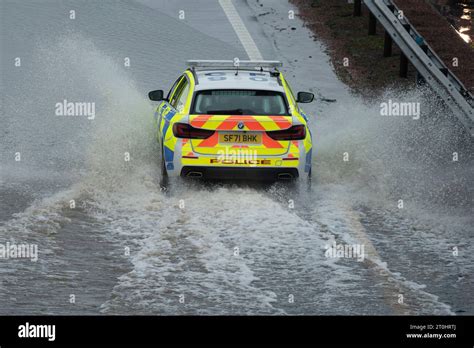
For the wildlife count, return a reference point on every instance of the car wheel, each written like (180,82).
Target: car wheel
(164,180)
(309,180)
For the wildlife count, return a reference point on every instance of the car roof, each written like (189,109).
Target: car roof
(244,79)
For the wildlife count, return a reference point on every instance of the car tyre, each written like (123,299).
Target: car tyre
(164,179)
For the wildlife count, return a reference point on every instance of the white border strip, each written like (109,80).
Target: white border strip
(239,27)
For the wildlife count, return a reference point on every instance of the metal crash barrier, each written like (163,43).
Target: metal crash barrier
(425,60)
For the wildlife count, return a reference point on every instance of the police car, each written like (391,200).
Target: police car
(223,119)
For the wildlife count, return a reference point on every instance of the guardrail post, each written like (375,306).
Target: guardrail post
(357,8)
(372,24)
(387,45)
(403,65)
(420,80)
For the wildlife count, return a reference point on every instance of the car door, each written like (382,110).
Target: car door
(176,105)
(165,107)
(180,95)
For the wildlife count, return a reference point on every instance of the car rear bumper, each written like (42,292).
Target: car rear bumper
(246,173)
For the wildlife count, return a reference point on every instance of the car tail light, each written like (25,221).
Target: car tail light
(294,133)
(183,130)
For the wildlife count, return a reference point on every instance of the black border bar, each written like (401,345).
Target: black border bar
(289,330)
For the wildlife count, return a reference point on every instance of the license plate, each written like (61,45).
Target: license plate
(240,138)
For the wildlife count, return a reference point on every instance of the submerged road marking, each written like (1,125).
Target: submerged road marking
(241,30)
(373,259)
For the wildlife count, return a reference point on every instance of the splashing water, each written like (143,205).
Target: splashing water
(190,251)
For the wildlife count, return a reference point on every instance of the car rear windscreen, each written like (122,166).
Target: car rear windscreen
(239,102)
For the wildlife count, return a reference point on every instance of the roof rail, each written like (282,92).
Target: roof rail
(234,64)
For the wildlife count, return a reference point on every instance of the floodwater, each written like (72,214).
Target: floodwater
(111,242)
